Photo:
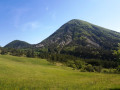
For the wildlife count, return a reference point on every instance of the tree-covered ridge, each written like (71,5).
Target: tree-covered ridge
(77,33)
(17,44)
(77,38)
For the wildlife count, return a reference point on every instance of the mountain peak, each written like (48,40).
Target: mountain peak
(77,21)
(77,33)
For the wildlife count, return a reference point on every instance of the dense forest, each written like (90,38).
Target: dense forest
(83,64)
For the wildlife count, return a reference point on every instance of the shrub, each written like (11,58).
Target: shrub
(79,64)
(118,68)
(70,63)
(89,68)
(109,71)
(98,68)
(83,70)
(105,71)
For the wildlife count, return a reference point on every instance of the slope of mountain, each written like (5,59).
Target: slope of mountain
(17,44)
(77,33)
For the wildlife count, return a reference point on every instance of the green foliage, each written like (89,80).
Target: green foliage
(116,53)
(103,63)
(81,33)
(3,51)
(98,68)
(17,44)
(69,60)
(118,68)
(89,68)
(79,64)
(30,53)
(71,63)
(105,70)
(110,71)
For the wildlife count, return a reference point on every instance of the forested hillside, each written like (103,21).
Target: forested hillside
(17,44)
(81,33)
(82,39)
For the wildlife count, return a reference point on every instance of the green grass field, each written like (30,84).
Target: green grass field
(20,73)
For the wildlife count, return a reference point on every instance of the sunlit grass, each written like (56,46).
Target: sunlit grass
(31,73)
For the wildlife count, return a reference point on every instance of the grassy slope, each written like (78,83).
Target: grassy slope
(29,73)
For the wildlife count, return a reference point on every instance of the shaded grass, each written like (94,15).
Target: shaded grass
(22,73)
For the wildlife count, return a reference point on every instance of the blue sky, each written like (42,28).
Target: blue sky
(34,20)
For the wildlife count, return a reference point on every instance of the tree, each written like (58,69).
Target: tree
(117,53)
(118,68)
(30,53)
(89,68)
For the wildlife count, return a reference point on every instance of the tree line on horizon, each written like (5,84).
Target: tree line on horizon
(108,60)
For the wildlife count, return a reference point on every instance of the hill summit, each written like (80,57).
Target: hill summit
(77,33)
(17,44)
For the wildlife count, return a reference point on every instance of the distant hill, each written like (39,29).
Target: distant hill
(77,33)
(17,44)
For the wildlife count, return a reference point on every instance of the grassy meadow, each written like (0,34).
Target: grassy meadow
(21,73)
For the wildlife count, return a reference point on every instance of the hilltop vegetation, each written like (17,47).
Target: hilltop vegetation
(32,73)
(77,33)
(17,44)
(82,39)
